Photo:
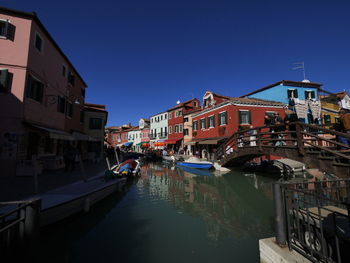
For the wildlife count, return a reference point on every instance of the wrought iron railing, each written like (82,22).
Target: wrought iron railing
(313,219)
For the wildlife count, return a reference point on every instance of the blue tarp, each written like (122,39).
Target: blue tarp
(127,144)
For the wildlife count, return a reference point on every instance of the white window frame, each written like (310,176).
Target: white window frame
(195,128)
(180,128)
(170,115)
(170,128)
(244,123)
(200,123)
(7,21)
(176,128)
(220,114)
(211,124)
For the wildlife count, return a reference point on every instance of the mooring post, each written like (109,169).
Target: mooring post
(32,219)
(280,219)
(348,197)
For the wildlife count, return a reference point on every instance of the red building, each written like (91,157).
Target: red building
(176,121)
(221,116)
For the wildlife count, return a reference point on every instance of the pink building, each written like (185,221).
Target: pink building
(41,94)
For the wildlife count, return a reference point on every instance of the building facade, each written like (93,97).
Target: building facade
(158,130)
(301,97)
(42,95)
(176,122)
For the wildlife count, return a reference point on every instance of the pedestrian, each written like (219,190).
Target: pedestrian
(289,120)
(252,135)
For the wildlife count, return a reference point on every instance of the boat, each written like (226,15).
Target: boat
(169,158)
(127,168)
(194,162)
(201,172)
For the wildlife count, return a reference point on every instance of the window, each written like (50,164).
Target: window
(203,123)
(292,93)
(161,117)
(206,102)
(165,115)
(64,70)
(186,119)
(327,119)
(83,92)
(71,78)
(38,42)
(69,109)
(4,80)
(176,129)
(170,129)
(222,118)
(180,128)
(165,130)
(195,104)
(170,115)
(61,105)
(82,116)
(35,89)
(309,94)
(244,117)
(179,113)
(336,119)
(195,125)
(185,132)
(211,122)
(3,28)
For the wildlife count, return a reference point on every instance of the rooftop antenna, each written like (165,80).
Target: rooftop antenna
(301,65)
(178,102)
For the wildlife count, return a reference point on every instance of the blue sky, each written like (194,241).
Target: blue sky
(139,57)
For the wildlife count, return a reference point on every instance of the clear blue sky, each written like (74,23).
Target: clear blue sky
(139,57)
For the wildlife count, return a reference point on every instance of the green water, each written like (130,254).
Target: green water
(169,215)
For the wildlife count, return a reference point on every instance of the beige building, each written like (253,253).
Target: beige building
(95,119)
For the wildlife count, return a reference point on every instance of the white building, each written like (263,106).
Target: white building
(158,130)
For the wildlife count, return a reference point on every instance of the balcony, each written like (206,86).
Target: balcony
(152,136)
(162,135)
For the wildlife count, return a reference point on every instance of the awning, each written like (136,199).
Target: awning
(56,134)
(139,144)
(81,136)
(172,141)
(212,141)
(157,144)
(127,144)
(190,143)
(145,145)
(120,144)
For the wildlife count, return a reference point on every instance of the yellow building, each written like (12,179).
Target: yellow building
(331,104)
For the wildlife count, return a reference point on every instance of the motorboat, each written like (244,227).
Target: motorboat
(128,167)
(169,158)
(194,162)
(201,172)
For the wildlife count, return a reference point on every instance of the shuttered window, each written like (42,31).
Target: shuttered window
(4,28)
(244,117)
(195,125)
(292,93)
(203,123)
(222,118)
(211,121)
(309,94)
(95,124)
(35,89)
(4,77)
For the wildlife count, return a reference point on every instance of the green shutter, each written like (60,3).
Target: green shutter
(225,116)
(249,117)
(296,93)
(239,117)
(213,120)
(208,122)
(219,119)
(313,95)
(3,80)
(305,94)
(289,93)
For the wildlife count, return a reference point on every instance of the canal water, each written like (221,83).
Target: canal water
(169,215)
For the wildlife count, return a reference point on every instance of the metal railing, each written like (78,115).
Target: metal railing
(19,223)
(313,219)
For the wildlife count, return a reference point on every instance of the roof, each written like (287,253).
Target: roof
(33,16)
(287,83)
(98,107)
(244,101)
(183,104)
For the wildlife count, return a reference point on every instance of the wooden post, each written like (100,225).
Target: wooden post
(116,155)
(258,136)
(32,221)
(109,166)
(300,143)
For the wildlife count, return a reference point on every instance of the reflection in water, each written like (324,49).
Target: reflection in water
(233,204)
(170,215)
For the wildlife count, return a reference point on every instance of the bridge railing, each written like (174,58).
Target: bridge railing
(305,138)
(313,219)
(18,222)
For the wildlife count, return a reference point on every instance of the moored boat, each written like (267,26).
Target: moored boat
(128,167)
(194,162)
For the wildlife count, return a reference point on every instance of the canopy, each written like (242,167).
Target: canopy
(212,141)
(56,134)
(190,143)
(172,141)
(156,144)
(145,145)
(127,144)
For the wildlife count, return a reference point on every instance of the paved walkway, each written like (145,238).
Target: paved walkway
(17,188)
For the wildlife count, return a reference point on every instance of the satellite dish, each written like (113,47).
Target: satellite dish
(305,81)
(178,102)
